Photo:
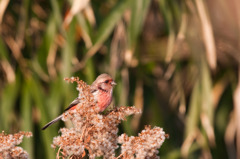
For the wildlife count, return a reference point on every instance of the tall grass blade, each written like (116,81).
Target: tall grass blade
(139,10)
(39,100)
(207,34)
(237,111)
(7,103)
(107,27)
(207,113)
(26,114)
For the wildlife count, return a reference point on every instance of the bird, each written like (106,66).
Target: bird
(102,90)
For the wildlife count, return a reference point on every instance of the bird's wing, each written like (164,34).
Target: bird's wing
(77,100)
(73,104)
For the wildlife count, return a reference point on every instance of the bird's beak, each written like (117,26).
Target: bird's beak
(113,83)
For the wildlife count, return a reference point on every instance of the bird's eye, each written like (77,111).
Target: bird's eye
(106,81)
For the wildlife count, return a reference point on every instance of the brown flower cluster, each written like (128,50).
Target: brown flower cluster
(96,134)
(8,148)
(144,145)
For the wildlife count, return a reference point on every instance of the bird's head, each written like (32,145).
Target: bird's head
(104,82)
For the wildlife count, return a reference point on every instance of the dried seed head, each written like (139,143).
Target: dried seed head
(143,146)
(8,148)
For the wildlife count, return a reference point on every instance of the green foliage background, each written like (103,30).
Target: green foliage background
(177,60)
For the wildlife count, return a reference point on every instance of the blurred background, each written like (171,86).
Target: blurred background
(176,60)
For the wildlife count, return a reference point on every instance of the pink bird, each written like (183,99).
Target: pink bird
(101,88)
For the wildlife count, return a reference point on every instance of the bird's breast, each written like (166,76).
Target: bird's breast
(104,100)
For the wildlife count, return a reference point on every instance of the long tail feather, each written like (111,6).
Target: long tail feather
(52,122)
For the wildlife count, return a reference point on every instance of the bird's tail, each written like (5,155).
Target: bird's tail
(52,122)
